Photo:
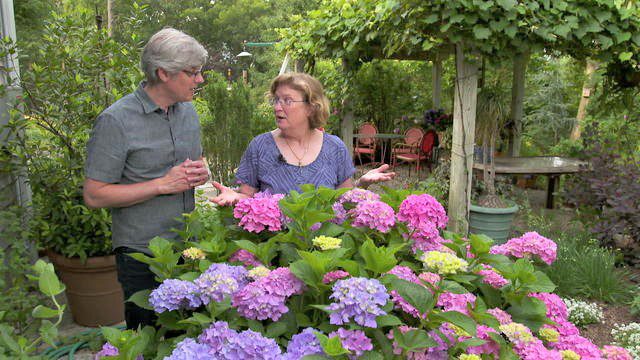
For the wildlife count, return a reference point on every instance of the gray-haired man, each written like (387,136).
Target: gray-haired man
(144,158)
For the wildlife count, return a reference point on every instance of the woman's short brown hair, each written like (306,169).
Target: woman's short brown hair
(313,94)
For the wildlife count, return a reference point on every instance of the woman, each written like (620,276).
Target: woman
(297,152)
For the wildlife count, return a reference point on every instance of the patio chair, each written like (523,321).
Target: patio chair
(423,152)
(410,142)
(367,144)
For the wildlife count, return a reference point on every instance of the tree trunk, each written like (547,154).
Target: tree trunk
(520,62)
(587,88)
(436,81)
(464,118)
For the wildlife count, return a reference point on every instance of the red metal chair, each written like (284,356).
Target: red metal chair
(420,153)
(410,142)
(366,143)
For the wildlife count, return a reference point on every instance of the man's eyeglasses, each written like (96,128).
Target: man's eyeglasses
(193,74)
(284,102)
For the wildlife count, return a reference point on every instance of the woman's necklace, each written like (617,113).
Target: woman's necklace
(299,158)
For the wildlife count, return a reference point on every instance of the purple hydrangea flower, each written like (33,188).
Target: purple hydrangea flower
(332,276)
(422,212)
(107,350)
(174,294)
(245,257)
(250,345)
(353,340)
(189,349)
(303,344)
(220,280)
(216,336)
(373,214)
(265,298)
(349,200)
(358,298)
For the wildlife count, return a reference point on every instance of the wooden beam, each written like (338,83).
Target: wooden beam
(520,62)
(436,81)
(464,119)
(346,117)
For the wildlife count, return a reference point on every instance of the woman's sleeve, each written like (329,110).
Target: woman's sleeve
(345,164)
(247,172)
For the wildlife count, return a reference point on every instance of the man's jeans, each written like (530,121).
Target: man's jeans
(134,276)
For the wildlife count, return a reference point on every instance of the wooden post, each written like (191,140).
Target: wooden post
(517,102)
(587,88)
(346,116)
(436,80)
(109,17)
(464,119)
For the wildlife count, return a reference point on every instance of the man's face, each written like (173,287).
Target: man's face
(184,84)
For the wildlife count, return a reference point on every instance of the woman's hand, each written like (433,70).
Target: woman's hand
(376,175)
(226,195)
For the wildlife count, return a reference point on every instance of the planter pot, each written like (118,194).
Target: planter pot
(92,288)
(495,223)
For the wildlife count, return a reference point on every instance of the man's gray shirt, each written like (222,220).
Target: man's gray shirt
(135,141)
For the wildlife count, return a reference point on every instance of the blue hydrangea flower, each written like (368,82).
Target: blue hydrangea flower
(217,335)
(353,340)
(250,345)
(303,344)
(189,349)
(359,298)
(220,280)
(174,294)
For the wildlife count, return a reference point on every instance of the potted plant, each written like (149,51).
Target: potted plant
(491,215)
(68,83)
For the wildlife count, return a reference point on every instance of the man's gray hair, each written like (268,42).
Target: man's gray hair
(173,51)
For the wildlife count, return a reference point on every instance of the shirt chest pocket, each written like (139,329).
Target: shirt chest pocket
(152,158)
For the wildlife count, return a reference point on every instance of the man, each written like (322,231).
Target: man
(144,158)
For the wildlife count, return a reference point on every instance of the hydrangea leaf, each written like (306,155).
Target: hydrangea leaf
(413,340)
(388,320)
(458,319)
(141,299)
(417,295)
(378,259)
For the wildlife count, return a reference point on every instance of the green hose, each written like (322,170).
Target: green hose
(55,353)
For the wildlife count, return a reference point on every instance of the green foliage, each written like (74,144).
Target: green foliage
(13,344)
(224,112)
(68,83)
(20,294)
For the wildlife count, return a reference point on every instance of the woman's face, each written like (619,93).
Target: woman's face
(290,108)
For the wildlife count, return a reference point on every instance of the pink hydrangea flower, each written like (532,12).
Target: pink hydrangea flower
(563,327)
(535,350)
(580,345)
(456,302)
(490,347)
(528,245)
(502,316)
(431,278)
(373,214)
(426,239)
(422,212)
(611,352)
(259,212)
(332,276)
(349,200)
(245,257)
(491,277)
(556,308)
(418,354)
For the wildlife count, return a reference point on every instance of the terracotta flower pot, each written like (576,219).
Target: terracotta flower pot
(92,288)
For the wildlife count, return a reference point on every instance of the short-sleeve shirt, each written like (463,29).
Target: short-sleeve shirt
(134,141)
(263,167)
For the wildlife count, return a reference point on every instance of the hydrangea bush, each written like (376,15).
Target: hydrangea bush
(350,274)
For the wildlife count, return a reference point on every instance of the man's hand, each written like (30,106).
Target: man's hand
(183,177)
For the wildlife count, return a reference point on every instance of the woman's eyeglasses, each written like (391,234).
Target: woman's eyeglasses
(284,102)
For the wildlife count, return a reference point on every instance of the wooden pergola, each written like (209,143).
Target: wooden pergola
(360,30)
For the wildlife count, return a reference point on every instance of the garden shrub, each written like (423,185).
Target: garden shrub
(609,191)
(348,274)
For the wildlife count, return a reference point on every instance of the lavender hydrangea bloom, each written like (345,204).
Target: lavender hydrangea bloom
(265,298)
(107,350)
(217,335)
(350,199)
(250,345)
(174,294)
(358,298)
(353,340)
(220,280)
(189,349)
(303,344)
(375,215)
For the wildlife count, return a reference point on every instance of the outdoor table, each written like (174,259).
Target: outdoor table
(551,166)
(385,141)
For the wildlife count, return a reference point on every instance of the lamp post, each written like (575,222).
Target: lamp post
(244,57)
